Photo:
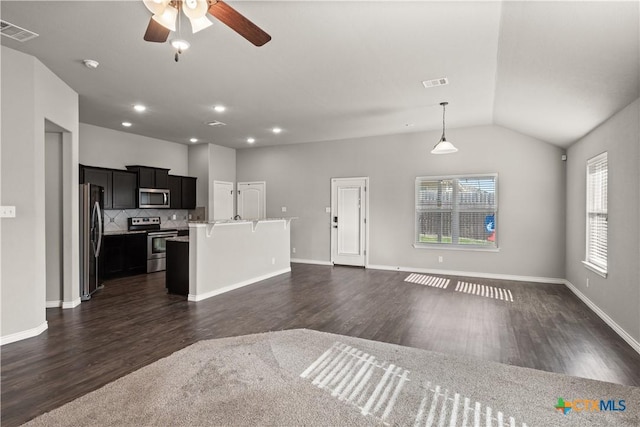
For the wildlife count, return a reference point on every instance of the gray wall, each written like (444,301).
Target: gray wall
(531,196)
(222,167)
(210,162)
(199,167)
(618,295)
(32,94)
(114,149)
(54,215)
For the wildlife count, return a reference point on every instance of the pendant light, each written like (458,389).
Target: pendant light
(444,146)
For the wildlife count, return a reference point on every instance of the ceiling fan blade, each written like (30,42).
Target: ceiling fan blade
(238,23)
(156,33)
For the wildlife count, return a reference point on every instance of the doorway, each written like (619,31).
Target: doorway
(53,217)
(222,200)
(349,229)
(252,200)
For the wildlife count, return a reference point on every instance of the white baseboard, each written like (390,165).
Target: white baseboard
(604,316)
(470,274)
(310,261)
(71,304)
(215,292)
(53,304)
(23,335)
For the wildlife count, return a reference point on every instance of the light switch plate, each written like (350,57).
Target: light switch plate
(7,211)
(327,210)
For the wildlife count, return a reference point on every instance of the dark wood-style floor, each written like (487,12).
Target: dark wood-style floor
(132,322)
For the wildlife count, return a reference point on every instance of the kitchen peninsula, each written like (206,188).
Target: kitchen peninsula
(226,255)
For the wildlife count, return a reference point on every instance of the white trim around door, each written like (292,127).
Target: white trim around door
(349,221)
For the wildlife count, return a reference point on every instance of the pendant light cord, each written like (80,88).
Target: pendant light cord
(444,106)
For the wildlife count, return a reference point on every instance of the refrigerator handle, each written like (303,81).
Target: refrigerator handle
(100,230)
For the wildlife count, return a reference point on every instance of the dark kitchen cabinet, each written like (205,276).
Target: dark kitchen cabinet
(175,187)
(183,192)
(123,255)
(188,192)
(149,177)
(124,191)
(98,176)
(177,274)
(119,185)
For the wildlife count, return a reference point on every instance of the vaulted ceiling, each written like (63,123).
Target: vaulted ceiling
(340,69)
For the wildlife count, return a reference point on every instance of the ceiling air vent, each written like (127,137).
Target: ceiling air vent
(436,82)
(15,32)
(216,123)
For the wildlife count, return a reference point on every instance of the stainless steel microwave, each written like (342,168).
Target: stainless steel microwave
(154,198)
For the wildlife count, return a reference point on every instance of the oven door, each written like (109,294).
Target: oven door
(157,244)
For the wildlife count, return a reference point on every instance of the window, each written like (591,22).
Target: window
(456,211)
(596,253)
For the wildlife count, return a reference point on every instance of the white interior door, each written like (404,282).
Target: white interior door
(348,221)
(222,200)
(252,200)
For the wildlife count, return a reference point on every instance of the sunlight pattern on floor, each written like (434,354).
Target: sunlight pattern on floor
(377,388)
(484,291)
(422,279)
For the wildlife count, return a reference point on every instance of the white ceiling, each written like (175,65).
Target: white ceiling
(339,69)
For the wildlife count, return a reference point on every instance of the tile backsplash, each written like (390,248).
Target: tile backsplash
(116,220)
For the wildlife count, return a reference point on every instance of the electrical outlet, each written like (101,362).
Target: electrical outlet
(7,211)
(284,209)
(173,216)
(440,259)
(293,250)
(273,261)
(327,210)
(587,282)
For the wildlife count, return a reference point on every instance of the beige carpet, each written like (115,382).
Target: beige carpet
(303,377)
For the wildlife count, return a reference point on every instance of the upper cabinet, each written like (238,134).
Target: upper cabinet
(98,176)
(149,177)
(119,185)
(124,195)
(183,192)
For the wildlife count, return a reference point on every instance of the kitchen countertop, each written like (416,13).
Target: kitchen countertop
(120,232)
(182,239)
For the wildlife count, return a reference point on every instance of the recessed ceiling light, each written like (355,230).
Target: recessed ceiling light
(194,140)
(139,108)
(126,124)
(276,130)
(90,63)
(220,108)
(251,140)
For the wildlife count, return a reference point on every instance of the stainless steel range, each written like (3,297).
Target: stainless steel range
(156,241)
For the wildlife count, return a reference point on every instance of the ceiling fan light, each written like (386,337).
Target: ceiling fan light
(180,44)
(195,8)
(156,7)
(168,18)
(444,147)
(201,23)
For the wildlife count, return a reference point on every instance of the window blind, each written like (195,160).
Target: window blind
(597,218)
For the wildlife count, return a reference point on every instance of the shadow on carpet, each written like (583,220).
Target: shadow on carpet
(304,377)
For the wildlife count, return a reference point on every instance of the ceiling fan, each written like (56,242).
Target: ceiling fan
(165,13)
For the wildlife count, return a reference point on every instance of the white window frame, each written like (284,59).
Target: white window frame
(442,245)
(594,259)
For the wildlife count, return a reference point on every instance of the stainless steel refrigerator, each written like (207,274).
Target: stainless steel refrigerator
(91,232)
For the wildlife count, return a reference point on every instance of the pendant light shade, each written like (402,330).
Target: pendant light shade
(168,18)
(444,146)
(156,6)
(196,11)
